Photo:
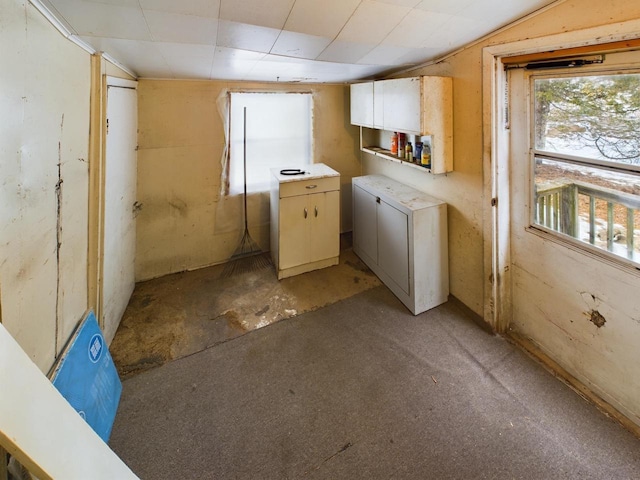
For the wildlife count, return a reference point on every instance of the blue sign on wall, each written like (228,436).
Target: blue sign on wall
(87,377)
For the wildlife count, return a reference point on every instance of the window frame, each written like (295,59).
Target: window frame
(534,153)
(230,188)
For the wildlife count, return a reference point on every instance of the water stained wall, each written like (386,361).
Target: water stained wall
(44,131)
(185,222)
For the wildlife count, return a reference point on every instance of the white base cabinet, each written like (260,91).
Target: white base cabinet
(305,220)
(401,234)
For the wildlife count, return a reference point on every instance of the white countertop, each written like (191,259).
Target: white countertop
(312,172)
(396,192)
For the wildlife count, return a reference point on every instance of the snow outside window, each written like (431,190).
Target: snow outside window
(586,160)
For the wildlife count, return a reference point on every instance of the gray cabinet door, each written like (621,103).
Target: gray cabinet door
(393,244)
(365,233)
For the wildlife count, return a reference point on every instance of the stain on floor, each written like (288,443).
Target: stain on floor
(183,313)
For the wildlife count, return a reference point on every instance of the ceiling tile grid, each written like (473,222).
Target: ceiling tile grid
(282,40)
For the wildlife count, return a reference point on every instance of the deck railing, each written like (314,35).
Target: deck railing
(557,208)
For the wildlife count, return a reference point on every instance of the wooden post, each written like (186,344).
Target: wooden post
(4,473)
(569,210)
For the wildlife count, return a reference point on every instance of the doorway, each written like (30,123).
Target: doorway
(119,226)
(571,292)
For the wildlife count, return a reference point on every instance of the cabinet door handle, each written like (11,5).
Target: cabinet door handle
(310,187)
(377,199)
(316,210)
(305,212)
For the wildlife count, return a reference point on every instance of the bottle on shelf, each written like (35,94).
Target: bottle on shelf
(394,143)
(426,156)
(417,152)
(408,155)
(402,144)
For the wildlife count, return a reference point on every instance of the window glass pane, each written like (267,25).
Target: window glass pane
(597,206)
(278,135)
(596,117)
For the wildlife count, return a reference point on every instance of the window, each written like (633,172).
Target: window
(587,160)
(278,135)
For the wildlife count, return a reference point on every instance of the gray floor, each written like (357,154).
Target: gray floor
(364,390)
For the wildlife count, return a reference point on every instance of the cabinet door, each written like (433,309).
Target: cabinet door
(324,219)
(403,105)
(294,248)
(362,104)
(393,244)
(365,224)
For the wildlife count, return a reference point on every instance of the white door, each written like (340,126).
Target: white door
(120,193)
(574,282)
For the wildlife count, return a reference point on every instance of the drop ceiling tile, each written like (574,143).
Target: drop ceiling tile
(461,31)
(386,55)
(178,28)
(121,3)
(372,21)
(183,50)
(246,37)
(200,8)
(414,30)
(233,54)
(402,3)
(276,68)
(272,13)
(417,56)
(445,6)
(500,12)
(190,67)
(292,44)
(345,52)
(101,20)
(142,57)
(323,19)
(232,64)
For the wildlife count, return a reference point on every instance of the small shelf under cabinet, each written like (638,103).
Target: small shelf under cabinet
(378,142)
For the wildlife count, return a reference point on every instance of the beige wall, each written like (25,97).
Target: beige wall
(185,223)
(43,291)
(44,131)
(554,312)
(463,188)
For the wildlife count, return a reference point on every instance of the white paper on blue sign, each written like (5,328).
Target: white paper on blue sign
(87,377)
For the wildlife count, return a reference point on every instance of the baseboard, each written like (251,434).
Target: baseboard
(579,387)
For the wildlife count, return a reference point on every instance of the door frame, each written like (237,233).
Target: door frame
(100,82)
(496,154)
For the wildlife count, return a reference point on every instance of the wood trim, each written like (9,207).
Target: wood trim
(95,181)
(573,52)
(575,384)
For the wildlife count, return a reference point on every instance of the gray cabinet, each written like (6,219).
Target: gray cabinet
(401,234)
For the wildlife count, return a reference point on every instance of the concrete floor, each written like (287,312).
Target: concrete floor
(180,314)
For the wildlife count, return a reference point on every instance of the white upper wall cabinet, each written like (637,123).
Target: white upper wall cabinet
(402,105)
(417,106)
(378,104)
(362,104)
